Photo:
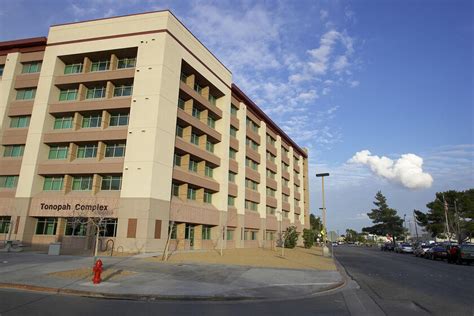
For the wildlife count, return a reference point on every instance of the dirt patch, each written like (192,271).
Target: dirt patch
(86,273)
(297,258)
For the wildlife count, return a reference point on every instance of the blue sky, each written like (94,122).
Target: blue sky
(391,77)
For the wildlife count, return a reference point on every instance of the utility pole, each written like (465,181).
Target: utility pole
(416,228)
(457,221)
(446,217)
(325,248)
(405,227)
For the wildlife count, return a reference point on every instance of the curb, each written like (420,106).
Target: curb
(149,297)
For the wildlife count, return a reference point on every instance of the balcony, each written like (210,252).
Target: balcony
(26,80)
(297,181)
(85,134)
(191,120)
(13,136)
(252,174)
(185,176)
(285,190)
(252,154)
(197,151)
(81,166)
(251,195)
(272,149)
(285,174)
(272,166)
(10,166)
(271,201)
(234,143)
(271,183)
(297,210)
(285,206)
(234,122)
(296,168)
(298,196)
(90,105)
(233,190)
(233,166)
(285,159)
(18,108)
(107,75)
(200,99)
(253,136)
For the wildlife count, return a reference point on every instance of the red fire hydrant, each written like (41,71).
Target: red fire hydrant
(97,271)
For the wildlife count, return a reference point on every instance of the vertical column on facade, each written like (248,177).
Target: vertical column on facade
(291,184)
(180,235)
(29,182)
(148,162)
(240,178)
(197,237)
(279,210)
(301,191)
(262,169)
(305,185)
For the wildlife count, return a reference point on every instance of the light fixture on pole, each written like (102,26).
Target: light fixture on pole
(325,248)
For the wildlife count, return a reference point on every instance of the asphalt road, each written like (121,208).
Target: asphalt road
(396,281)
(390,284)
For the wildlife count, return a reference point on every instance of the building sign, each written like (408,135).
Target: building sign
(75,207)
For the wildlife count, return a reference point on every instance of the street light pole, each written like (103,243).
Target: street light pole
(325,248)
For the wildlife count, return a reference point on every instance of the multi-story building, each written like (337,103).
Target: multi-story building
(132,120)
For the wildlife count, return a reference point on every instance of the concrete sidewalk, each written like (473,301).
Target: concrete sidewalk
(156,280)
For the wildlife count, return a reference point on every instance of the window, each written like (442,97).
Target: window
(5,222)
(30,68)
(285,182)
(126,63)
(175,189)
(111,183)
(73,68)
(183,77)
(14,151)
(174,230)
(271,174)
(251,144)
(284,166)
(191,194)
(76,227)
(181,103)
(95,93)
(233,111)
(83,183)
(285,214)
(212,99)
(270,192)
(207,197)
(68,95)
(271,210)
(196,113)
(249,205)
(53,183)
(270,157)
(253,235)
(206,232)
(230,200)
(270,140)
(123,91)
(100,65)
(63,122)
(119,119)
(26,94)
(2,67)
(57,152)
(251,164)
(46,226)
(194,139)
(211,122)
(193,165)
(179,131)
(230,235)
(252,125)
(87,151)
(233,132)
(232,176)
(208,171)
(284,197)
(108,227)
(8,182)
(177,160)
(115,150)
(197,88)
(250,184)
(91,121)
(19,121)
(232,153)
(209,146)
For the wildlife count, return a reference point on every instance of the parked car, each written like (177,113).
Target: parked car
(437,251)
(420,250)
(466,254)
(387,247)
(404,248)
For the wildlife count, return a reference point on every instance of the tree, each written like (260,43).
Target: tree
(290,237)
(459,207)
(308,238)
(315,225)
(386,220)
(351,235)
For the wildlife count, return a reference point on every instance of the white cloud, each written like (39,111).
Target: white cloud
(323,14)
(354,83)
(407,170)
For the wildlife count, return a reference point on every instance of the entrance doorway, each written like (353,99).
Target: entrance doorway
(189,235)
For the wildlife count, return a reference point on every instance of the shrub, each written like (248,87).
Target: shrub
(308,238)
(291,237)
